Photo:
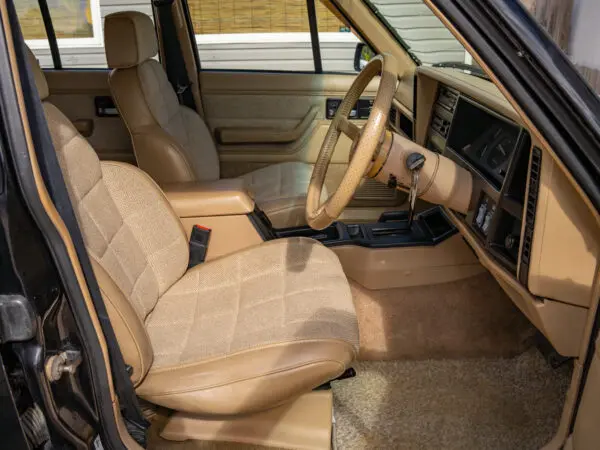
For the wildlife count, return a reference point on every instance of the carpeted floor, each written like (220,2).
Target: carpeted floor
(462,319)
(511,403)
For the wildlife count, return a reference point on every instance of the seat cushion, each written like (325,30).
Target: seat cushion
(251,330)
(280,191)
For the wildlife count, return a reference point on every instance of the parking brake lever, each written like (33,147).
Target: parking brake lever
(414,163)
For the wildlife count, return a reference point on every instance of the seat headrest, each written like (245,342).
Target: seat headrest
(38,75)
(129,39)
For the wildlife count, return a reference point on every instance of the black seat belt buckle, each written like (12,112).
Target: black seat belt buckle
(198,245)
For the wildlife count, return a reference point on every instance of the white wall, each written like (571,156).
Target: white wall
(584,46)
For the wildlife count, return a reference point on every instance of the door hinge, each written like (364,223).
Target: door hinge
(66,361)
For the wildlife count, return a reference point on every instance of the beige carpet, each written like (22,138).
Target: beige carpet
(512,403)
(461,319)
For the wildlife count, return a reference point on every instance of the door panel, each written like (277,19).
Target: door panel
(84,97)
(273,104)
(277,117)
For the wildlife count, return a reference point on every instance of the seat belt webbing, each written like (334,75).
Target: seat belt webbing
(174,63)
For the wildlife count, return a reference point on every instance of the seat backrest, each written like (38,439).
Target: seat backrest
(171,142)
(136,243)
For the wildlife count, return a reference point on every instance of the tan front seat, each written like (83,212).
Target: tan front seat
(237,334)
(171,142)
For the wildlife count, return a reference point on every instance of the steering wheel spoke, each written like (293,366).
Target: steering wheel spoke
(348,128)
(365,141)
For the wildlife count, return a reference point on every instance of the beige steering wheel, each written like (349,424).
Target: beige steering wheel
(364,142)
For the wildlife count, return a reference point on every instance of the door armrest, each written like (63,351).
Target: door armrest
(267,135)
(225,197)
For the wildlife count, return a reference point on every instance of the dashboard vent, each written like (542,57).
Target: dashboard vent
(440,125)
(448,98)
(530,207)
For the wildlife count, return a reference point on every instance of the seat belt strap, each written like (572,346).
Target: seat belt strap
(174,63)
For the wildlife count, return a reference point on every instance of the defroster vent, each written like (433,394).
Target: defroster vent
(530,207)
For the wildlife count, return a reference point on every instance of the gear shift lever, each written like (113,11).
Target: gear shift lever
(414,163)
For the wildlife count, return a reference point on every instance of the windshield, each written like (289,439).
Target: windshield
(421,32)
(573,25)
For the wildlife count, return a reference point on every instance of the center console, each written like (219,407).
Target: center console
(428,228)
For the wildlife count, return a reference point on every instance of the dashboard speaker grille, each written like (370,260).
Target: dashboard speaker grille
(530,207)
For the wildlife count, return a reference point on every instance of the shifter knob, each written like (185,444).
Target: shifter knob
(415,161)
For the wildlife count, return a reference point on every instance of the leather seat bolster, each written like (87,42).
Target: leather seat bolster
(161,157)
(248,381)
(129,329)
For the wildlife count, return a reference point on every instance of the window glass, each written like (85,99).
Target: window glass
(425,36)
(30,18)
(78,28)
(573,24)
(34,33)
(230,34)
(72,19)
(337,42)
(268,35)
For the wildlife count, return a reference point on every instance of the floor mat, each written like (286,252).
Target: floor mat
(512,403)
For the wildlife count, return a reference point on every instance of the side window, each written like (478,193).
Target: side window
(34,32)
(230,34)
(77,27)
(336,41)
(269,35)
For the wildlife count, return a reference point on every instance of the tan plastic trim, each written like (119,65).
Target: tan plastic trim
(267,135)
(366,142)
(565,250)
(225,197)
(54,216)
(441,180)
(305,423)
(389,268)
(561,323)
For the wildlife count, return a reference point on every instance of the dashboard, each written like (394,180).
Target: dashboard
(496,150)
(519,191)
